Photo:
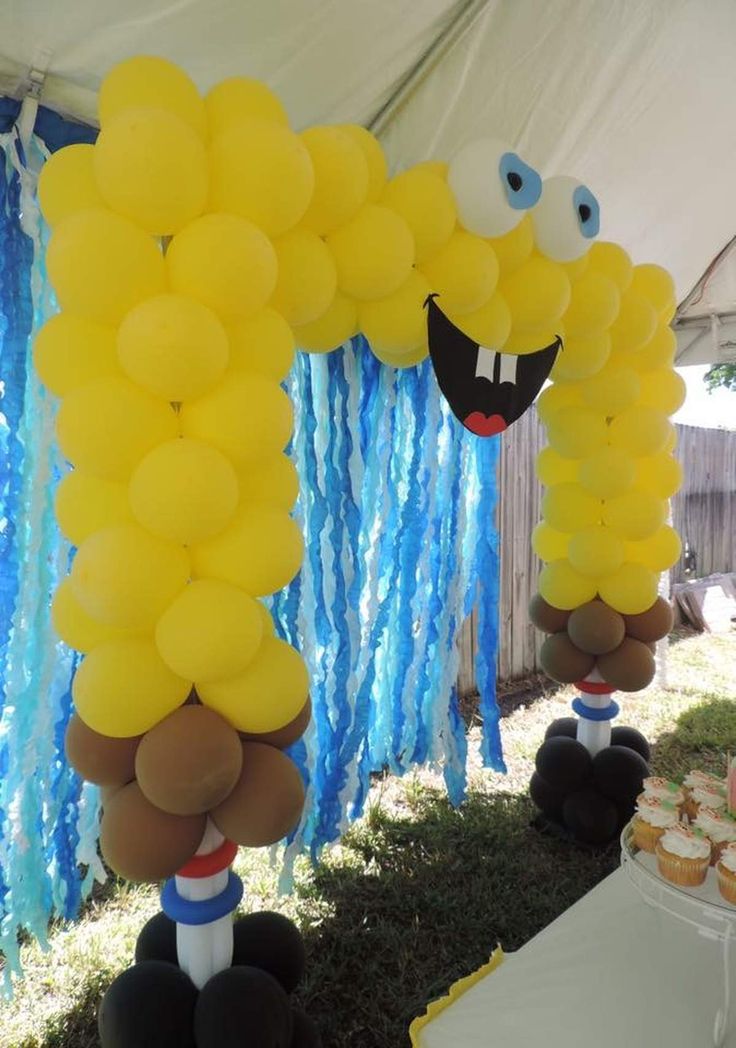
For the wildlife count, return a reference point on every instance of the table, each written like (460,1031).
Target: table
(610,972)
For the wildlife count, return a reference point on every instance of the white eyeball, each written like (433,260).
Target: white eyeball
(566,219)
(493,187)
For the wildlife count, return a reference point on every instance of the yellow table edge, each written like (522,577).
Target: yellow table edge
(455,992)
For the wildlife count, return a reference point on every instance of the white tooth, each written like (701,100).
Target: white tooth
(486,360)
(508,367)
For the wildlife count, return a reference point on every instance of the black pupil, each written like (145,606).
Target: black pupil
(515,181)
(584,212)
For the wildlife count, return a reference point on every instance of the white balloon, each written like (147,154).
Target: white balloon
(492,186)
(566,219)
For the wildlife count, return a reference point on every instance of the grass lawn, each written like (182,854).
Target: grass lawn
(417,894)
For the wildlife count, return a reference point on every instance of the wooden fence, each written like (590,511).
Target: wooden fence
(703,512)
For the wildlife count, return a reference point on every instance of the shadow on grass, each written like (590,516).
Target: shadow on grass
(702,738)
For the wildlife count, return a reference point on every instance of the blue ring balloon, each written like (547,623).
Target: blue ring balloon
(592,713)
(201,911)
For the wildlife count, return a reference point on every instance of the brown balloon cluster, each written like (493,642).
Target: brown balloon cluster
(595,637)
(159,788)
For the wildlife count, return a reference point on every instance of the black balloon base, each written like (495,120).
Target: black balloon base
(155,1004)
(582,799)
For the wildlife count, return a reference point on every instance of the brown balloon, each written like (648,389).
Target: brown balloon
(99,758)
(630,667)
(545,617)
(189,762)
(595,628)
(286,736)
(142,843)
(267,800)
(653,624)
(562,661)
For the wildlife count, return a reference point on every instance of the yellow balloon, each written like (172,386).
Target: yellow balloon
(263,344)
(246,417)
(667,313)
(340,178)
(613,262)
(659,352)
(659,552)
(338,324)
(224,262)
(580,358)
(404,360)
(463,273)
(107,426)
(266,620)
(549,544)
(577,431)
(101,265)
(70,351)
(655,284)
(515,247)
(538,294)
(596,551)
(556,397)
(184,491)
(397,324)
(634,515)
(272,480)
(567,507)
(260,551)
(424,200)
(660,474)
(612,390)
(554,469)
(630,590)
(262,172)
(211,630)
(307,277)
(240,98)
(663,389)
(563,587)
(374,158)
(67,183)
(374,253)
(125,577)
(74,626)
(124,688)
(173,346)
(640,430)
(85,504)
(149,82)
(607,473)
(635,324)
(671,440)
(151,167)
(267,696)
(594,305)
(489,325)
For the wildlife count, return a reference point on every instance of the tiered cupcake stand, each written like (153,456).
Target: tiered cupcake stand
(703,908)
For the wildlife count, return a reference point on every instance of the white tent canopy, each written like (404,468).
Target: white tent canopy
(634,97)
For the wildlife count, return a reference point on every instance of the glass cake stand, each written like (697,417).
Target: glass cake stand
(703,908)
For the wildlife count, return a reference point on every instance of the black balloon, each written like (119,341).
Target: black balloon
(157,940)
(306,1034)
(563,726)
(242,1007)
(273,943)
(563,763)
(546,797)
(151,1005)
(619,772)
(623,735)
(590,817)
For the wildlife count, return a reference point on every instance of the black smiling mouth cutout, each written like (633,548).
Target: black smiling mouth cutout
(485,389)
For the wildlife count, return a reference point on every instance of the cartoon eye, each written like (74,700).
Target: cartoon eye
(493,187)
(566,219)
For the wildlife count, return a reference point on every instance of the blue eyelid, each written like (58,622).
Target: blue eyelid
(521,183)
(590,224)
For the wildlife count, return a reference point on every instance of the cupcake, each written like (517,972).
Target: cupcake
(664,790)
(718,827)
(653,816)
(701,778)
(705,795)
(726,870)
(683,856)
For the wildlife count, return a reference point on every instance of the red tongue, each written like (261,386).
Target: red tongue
(484,425)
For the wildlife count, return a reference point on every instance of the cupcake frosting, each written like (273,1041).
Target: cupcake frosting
(654,786)
(656,812)
(708,796)
(687,844)
(716,825)
(728,857)
(703,778)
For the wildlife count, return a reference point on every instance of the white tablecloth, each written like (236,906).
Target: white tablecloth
(610,972)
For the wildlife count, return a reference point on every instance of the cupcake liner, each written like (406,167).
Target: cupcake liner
(646,836)
(726,884)
(676,869)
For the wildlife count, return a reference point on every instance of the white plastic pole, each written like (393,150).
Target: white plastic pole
(595,735)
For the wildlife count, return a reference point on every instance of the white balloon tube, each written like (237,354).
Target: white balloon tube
(595,735)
